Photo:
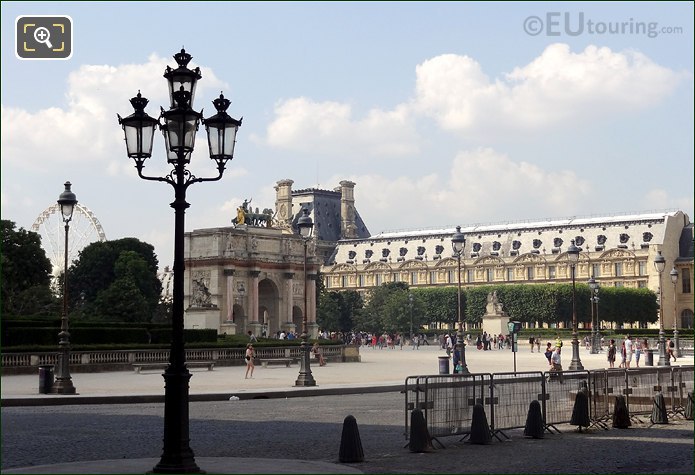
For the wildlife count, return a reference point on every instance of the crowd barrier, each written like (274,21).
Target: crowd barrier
(447,400)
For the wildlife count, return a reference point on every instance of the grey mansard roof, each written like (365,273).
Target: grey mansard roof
(511,239)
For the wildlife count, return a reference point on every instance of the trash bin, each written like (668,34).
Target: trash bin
(443,365)
(649,357)
(45,379)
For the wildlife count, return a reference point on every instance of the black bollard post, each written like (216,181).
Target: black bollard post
(688,413)
(535,427)
(350,442)
(580,412)
(659,415)
(621,416)
(420,440)
(480,430)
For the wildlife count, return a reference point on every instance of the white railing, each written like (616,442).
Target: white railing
(124,358)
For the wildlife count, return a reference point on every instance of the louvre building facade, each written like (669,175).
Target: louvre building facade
(251,277)
(618,251)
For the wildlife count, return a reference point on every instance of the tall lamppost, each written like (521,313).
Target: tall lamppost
(458,243)
(305,378)
(410,302)
(660,265)
(179,127)
(674,280)
(593,288)
(63,383)
(573,257)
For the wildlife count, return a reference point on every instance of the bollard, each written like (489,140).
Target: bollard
(659,415)
(621,416)
(580,412)
(535,427)
(480,430)
(350,442)
(688,413)
(420,440)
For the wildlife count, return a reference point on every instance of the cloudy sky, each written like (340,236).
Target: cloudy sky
(442,113)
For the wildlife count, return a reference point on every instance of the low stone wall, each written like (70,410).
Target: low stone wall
(122,360)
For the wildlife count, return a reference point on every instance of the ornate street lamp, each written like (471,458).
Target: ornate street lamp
(410,302)
(458,243)
(593,289)
(573,257)
(63,383)
(674,280)
(305,226)
(660,265)
(179,127)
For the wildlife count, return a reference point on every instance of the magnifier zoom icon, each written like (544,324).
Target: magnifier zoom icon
(42,35)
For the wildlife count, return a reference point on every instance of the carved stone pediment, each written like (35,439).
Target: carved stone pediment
(414,265)
(344,268)
(529,259)
(374,266)
(489,261)
(617,254)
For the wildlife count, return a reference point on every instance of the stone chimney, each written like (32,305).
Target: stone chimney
(347,210)
(283,203)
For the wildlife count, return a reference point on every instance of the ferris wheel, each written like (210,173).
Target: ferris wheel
(84,230)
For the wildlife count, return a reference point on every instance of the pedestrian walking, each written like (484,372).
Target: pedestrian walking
(250,355)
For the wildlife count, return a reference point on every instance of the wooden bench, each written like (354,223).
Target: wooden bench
(189,364)
(286,361)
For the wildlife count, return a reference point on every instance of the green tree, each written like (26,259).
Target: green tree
(101,264)
(26,273)
(123,301)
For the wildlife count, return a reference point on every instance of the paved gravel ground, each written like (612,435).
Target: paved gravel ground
(310,429)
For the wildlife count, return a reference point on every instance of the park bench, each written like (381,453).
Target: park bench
(286,361)
(162,365)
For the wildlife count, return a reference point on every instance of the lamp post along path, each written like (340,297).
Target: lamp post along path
(573,256)
(179,127)
(305,226)
(660,265)
(63,383)
(593,288)
(674,280)
(458,244)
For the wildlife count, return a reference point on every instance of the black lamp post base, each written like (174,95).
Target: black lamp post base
(63,386)
(305,377)
(184,464)
(576,363)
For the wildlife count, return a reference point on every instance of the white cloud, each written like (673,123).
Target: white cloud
(482,186)
(302,124)
(556,87)
(86,128)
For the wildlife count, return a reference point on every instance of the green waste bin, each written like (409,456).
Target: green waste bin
(648,357)
(443,365)
(46,377)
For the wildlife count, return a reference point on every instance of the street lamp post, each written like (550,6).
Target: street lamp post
(305,378)
(593,288)
(410,302)
(674,280)
(660,265)
(573,256)
(179,127)
(63,383)
(458,243)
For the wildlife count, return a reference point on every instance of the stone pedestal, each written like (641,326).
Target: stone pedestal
(228,328)
(202,317)
(255,328)
(495,319)
(289,327)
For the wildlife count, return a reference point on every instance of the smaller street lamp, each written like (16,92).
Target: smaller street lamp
(63,384)
(410,301)
(573,257)
(593,289)
(674,280)
(660,265)
(305,378)
(458,243)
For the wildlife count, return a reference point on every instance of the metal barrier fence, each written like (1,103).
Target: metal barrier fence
(447,400)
